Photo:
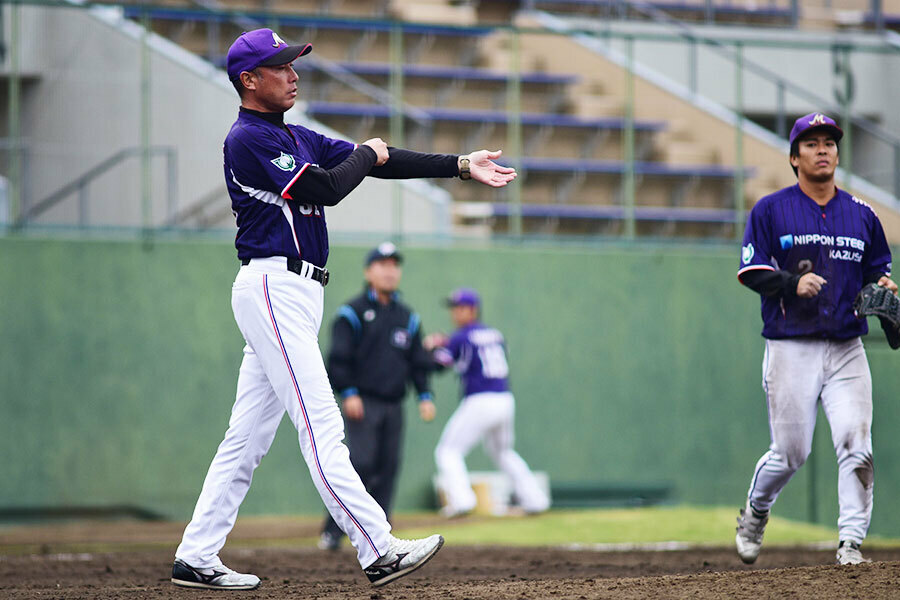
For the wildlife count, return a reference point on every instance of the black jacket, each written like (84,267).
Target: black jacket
(376,349)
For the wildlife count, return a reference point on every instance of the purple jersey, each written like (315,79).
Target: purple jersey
(842,241)
(262,162)
(478,354)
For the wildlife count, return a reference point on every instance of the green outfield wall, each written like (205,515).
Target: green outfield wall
(630,365)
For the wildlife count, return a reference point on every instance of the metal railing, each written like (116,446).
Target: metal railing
(734,53)
(249,21)
(708,11)
(392,95)
(80,186)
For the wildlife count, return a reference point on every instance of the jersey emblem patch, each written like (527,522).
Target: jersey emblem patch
(747,253)
(369,315)
(285,162)
(400,338)
(787,241)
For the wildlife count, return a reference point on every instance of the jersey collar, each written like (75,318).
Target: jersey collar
(373,297)
(276,119)
(834,199)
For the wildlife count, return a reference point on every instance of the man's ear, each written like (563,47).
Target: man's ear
(248,79)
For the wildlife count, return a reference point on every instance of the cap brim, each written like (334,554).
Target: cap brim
(286,56)
(836,131)
(396,256)
(450,303)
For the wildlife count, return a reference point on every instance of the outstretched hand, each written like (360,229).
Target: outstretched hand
(486,171)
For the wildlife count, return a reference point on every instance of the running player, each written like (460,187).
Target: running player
(486,412)
(280,178)
(808,249)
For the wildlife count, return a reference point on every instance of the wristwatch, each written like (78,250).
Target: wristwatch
(464,172)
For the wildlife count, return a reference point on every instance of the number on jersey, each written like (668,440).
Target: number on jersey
(493,361)
(310,209)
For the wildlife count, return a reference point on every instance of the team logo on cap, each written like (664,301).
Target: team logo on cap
(747,253)
(278,40)
(285,162)
(819,119)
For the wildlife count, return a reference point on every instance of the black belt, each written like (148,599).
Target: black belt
(302,268)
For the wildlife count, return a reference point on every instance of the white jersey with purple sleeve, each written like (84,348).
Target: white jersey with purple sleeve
(262,162)
(842,242)
(478,354)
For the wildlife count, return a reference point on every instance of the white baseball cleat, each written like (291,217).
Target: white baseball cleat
(749,536)
(402,558)
(213,578)
(848,554)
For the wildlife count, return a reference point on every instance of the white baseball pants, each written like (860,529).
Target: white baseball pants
(487,417)
(797,374)
(279,313)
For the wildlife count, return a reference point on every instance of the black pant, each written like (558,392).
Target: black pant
(374,443)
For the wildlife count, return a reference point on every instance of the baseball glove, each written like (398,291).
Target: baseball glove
(879,301)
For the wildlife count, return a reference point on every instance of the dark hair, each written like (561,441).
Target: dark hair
(238,87)
(795,150)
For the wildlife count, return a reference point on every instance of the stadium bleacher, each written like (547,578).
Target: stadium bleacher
(829,14)
(572,135)
(771,13)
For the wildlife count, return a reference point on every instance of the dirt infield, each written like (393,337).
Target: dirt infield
(34,565)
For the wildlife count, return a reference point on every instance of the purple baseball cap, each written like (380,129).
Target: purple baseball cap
(815,121)
(261,48)
(463,297)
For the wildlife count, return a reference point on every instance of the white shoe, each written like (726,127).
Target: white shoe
(848,554)
(402,558)
(213,578)
(749,536)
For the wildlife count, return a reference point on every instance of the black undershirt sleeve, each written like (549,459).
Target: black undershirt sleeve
(771,283)
(872,278)
(327,187)
(782,283)
(406,164)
